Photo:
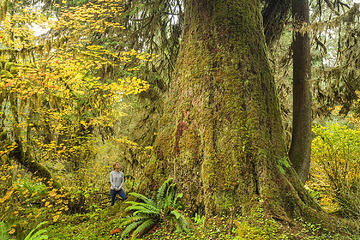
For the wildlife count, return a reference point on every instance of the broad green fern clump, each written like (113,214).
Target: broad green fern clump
(149,213)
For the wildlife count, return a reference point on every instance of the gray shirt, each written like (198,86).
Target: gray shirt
(116,180)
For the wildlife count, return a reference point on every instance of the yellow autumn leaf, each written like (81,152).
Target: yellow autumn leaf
(52,193)
(58,196)
(55,218)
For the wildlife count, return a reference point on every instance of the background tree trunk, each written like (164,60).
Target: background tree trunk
(221,136)
(22,156)
(300,148)
(275,14)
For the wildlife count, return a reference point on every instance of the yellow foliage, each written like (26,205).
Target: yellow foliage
(62,89)
(335,165)
(7,196)
(60,77)
(12,231)
(55,218)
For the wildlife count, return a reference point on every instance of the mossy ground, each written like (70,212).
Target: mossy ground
(99,223)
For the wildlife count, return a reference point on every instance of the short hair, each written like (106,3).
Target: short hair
(115,164)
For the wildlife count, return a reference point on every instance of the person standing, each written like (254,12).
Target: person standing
(117,182)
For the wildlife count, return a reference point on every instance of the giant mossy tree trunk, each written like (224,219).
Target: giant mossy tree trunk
(300,148)
(221,136)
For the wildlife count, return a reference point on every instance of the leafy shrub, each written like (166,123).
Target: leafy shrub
(335,168)
(32,191)
(149,213)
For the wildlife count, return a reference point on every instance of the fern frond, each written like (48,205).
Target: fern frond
(142,197)
(178,226)
(146,212)
(39,235)
(182,224)
(145,208)
(162,190)
(145,205)
(169,197)
(140,230)
(130,227)
(176,214)
(30,235)
(177,197)
(129,220)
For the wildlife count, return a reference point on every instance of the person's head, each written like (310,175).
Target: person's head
(116,166)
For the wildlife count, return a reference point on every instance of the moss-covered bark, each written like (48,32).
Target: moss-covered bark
(23,157)
(221,136)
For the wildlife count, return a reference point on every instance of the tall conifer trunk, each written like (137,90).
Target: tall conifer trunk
(221,136)
(300,148)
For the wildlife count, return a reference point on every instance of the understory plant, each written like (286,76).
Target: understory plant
(335,170)
(148,213)
(35,234)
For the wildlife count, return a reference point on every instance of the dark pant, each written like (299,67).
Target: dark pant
(113,195)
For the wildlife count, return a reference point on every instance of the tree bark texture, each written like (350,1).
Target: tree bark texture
(300,148)
(221,136)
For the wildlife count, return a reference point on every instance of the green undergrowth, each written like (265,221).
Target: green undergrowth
(99,223)
(256,226)
(100,220)
(93,225)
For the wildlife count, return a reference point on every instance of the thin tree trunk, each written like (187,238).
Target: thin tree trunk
(300,148)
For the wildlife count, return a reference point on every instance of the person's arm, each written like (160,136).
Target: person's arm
(112,181)
(121,180)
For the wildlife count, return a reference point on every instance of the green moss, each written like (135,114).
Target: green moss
(13,70)
(5,74)
(9,65)
(224,92)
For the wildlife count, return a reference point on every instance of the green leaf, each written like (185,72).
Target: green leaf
(181,224)
(128,220)
(36,236)
(130,227)
(162,191)
(143,207)
(142,197)
(281,169)
(140,230)
(176,214)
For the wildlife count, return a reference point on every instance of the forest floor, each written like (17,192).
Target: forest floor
(99,224)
